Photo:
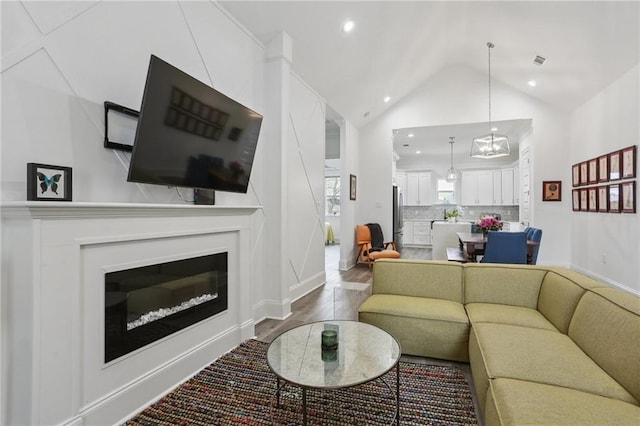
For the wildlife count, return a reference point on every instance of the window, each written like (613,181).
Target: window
(446,192)
(332,195)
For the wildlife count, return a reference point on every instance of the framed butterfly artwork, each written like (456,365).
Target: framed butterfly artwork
(48,183)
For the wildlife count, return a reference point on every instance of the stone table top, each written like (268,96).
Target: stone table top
(364,353)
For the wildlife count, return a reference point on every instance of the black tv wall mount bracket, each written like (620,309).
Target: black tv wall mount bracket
(122,111)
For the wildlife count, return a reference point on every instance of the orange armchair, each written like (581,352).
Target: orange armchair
(369,253)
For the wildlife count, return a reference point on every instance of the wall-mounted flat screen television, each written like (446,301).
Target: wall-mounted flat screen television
(191,135)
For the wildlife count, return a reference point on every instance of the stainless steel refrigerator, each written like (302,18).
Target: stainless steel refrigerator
(397,216)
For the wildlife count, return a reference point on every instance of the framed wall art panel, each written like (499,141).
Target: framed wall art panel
(583,200)
(46,182)
(629,162)
(593,199)
(614,165)
(575,175)
(614,198)
(603,168)
(575,200)
(584,173)
(603,199)
(628,197)
(593,171)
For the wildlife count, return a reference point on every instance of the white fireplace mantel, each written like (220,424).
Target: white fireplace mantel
(54,257)
(76,210)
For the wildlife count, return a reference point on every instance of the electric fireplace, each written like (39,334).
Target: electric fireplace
(146,304)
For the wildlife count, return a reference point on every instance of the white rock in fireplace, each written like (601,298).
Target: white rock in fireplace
(60,253)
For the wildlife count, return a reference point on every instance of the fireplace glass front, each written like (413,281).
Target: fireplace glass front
(145,304)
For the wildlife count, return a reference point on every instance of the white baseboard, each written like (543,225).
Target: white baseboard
(305,287)
(126,402)
(604,279)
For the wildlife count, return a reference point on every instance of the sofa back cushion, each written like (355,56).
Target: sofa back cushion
(560,293)
(606,326)
(419,278)
(517,285)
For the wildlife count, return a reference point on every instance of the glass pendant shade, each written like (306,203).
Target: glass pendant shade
(490,146)
(452,175)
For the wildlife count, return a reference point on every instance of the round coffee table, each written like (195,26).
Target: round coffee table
(364,353)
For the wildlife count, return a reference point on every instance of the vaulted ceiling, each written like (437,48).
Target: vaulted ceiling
(396,46)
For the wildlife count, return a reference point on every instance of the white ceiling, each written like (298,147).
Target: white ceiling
(396,46)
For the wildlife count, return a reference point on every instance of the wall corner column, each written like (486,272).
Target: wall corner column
(278,57)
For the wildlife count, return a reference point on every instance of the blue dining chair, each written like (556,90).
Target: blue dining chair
(505,247)
(529,230)
(535,236)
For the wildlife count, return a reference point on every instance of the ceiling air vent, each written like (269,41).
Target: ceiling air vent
(539,60)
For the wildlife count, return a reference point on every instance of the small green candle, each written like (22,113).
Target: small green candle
(329,339)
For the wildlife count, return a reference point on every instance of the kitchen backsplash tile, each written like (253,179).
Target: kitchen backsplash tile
(507,213)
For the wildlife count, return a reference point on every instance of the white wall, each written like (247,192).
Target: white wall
(305,186)
(62,60)
(607,245)
(349,165)
(458,95)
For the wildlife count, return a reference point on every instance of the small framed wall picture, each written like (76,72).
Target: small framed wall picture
(603,199)
(629,162)
(593,199)
(614,198)
(575,175)
(628,201)
(583,200)
(575,198)
(352,187)
(48,183)
(614,165)
(603,168)
(551,190)
(593,171)
(584,173)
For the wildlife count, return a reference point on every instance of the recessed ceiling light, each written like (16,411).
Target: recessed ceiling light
(387,99)
(532,83)
(418,152)
(348,26)
(494,129)
(410,135)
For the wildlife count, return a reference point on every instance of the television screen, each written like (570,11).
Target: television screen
(191,135)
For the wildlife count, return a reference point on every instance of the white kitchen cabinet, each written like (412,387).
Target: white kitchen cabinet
(418,190)
(407,233)
(497,187)
(507,189)
(516,185)
(401,182)
(416,232)
(477,188)
(421,233)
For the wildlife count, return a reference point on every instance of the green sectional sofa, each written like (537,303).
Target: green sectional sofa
(547,345)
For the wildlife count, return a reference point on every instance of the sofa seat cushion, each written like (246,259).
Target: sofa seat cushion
(423,326)
(517,402)
(507,314)
(542,356)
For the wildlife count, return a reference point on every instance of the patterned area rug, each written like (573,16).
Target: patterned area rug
(239,388)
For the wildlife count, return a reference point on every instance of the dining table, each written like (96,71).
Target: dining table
(472,244)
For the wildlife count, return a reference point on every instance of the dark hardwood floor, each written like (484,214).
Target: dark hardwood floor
(337,299)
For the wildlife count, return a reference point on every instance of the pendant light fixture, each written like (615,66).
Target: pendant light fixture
(491,145)
(452,174)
